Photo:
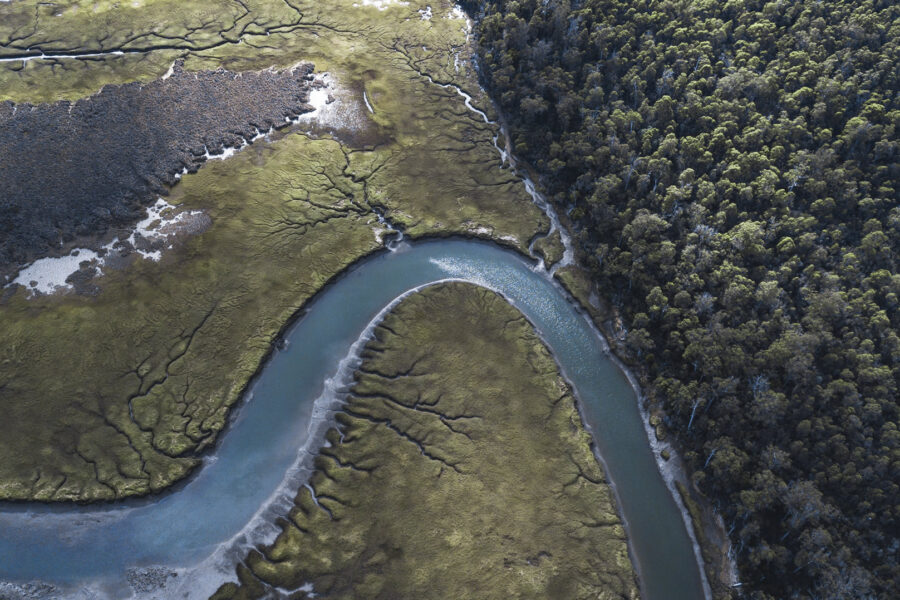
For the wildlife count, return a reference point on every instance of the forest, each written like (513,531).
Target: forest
(729,169)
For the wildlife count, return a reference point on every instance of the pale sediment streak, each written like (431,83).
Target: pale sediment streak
(170,72)
(51,56)
(381,4)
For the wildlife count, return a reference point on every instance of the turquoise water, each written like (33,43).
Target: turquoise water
(69,545)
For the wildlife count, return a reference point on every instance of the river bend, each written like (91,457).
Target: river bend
(230,503)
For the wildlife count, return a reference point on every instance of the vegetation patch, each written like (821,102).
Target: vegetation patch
(451,474)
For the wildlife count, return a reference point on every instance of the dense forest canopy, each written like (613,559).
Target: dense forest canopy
(730,168)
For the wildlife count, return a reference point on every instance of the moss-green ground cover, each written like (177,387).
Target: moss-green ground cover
(550,248)
(116,394)
(460,469)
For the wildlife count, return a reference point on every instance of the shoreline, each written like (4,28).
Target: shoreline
(670,473)
(262,531)
(673,469)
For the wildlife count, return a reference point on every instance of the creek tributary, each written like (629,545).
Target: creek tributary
(226,505)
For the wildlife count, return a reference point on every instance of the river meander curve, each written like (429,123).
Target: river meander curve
(222,509)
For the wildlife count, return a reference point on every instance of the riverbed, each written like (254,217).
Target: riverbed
(231,503)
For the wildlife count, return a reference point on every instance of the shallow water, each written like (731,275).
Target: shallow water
(69,545)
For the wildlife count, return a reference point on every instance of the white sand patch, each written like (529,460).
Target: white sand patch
(426,14)
(306,588)
(260,134)
(318,99)
(162,225)
(334,106)
(456,13)
(381,4)
(48,275)
(170,72)
(228,152)
(43,56)
(155,233)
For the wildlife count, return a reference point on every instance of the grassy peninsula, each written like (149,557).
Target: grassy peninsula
(451,473)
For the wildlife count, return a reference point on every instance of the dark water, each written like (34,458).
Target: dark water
(70,544)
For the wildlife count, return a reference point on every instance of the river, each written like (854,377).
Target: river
(232,500)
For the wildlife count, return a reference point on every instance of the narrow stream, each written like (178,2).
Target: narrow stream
(506,156)
(227,505)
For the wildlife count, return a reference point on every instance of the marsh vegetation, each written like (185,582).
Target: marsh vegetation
(451,473)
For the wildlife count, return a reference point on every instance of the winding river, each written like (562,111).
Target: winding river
(230,503)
